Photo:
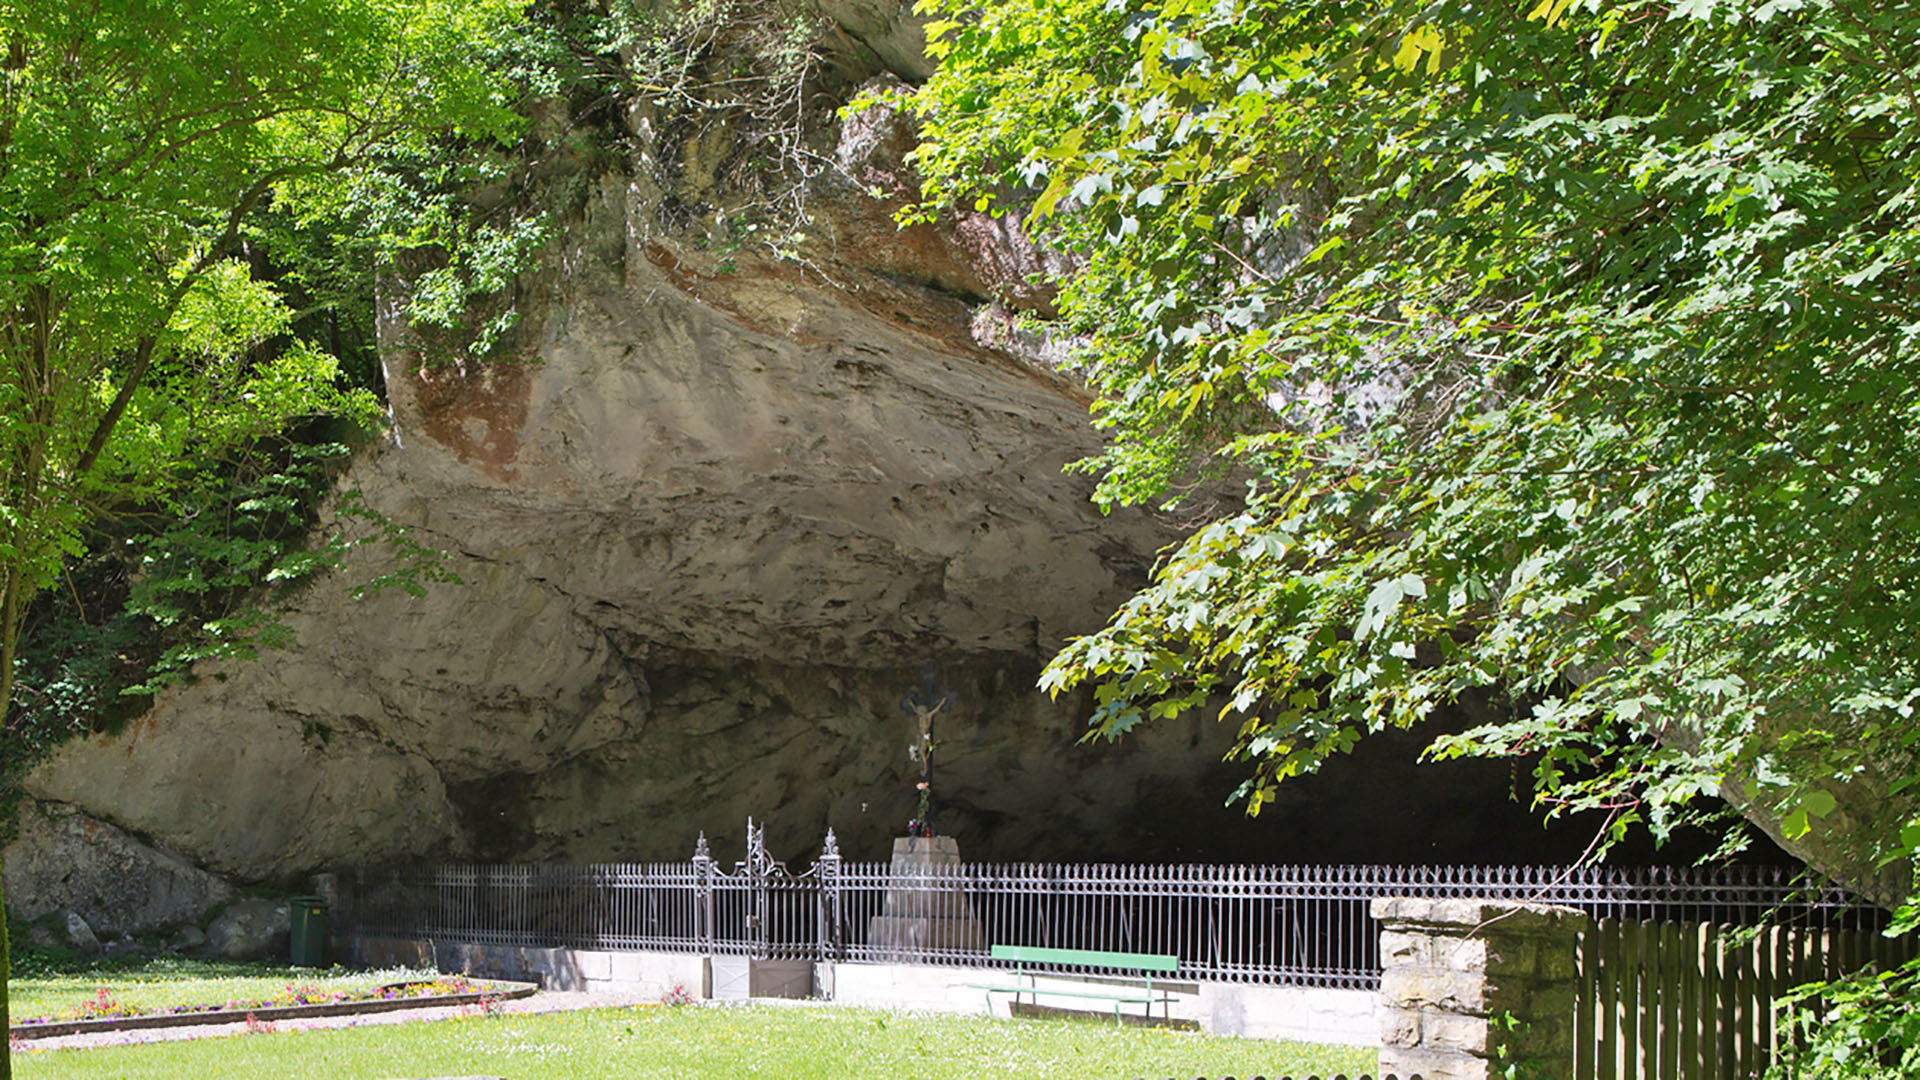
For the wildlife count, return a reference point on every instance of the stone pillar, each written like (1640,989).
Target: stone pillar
(1469,988)
(919,916)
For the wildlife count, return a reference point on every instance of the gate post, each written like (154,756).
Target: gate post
(754,871)
(703,894)
(829,930)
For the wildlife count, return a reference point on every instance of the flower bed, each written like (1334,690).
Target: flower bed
(102,1013)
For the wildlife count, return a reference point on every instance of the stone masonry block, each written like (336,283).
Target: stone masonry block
(1411,986)
(1399,947)
(1432,1064)
(1439,988)
(1558,962)
(1452,1031)
(1463,954)
(1515,920)
(1427,911)
(1400,1027)
(1510,954)
(1551,1003)
(1533,920)
(1543,1039)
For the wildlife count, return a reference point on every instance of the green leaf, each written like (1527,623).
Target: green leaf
(1795,824)
(1818,803)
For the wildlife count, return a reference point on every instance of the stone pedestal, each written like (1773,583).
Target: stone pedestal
(1470,988)
(926,851)
(922,916)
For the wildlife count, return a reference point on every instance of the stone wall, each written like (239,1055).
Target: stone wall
(1469,988)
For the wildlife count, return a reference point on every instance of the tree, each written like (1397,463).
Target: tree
(137,140)
(1566,350)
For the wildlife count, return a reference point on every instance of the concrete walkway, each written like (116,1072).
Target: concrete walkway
(545,1001)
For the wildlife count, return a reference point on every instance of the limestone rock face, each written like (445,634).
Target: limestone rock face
(251,929)
(80,934)
(888,29)
(105,880)
(711,531)
(724,515)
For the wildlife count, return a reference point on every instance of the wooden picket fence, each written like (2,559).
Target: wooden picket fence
(1671,1001)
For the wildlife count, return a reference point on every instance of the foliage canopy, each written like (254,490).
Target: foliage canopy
(135,143)
(1565,349)
(139,143)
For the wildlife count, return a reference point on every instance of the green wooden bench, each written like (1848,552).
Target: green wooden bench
(1026,980)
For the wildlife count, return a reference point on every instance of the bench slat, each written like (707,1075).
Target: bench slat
(1023,991)
(1028,954)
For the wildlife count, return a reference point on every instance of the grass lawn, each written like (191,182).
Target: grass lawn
(152,984)
(690,1043)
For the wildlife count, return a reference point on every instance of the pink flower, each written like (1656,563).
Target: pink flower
(922,785)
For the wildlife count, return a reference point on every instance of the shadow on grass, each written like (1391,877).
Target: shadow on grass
(57,963)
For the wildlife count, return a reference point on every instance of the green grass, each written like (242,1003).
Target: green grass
(155,983)
(824,1043)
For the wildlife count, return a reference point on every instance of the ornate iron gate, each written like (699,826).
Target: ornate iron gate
(762,909)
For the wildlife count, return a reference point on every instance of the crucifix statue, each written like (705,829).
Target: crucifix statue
(924,703)
(910,924)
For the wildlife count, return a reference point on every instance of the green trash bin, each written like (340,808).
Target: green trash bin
(310,929)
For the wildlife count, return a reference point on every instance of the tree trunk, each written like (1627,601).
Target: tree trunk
(11,606)
(6,979)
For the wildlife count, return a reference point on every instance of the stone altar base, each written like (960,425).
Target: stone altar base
(917,920)
(894,934)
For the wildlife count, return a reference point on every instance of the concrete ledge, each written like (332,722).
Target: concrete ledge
(656,973)
(1299,1013)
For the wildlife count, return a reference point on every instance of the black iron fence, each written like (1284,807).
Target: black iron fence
(1295,925)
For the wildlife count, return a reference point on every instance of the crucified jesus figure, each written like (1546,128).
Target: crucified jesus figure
(923,704)
(925,715)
